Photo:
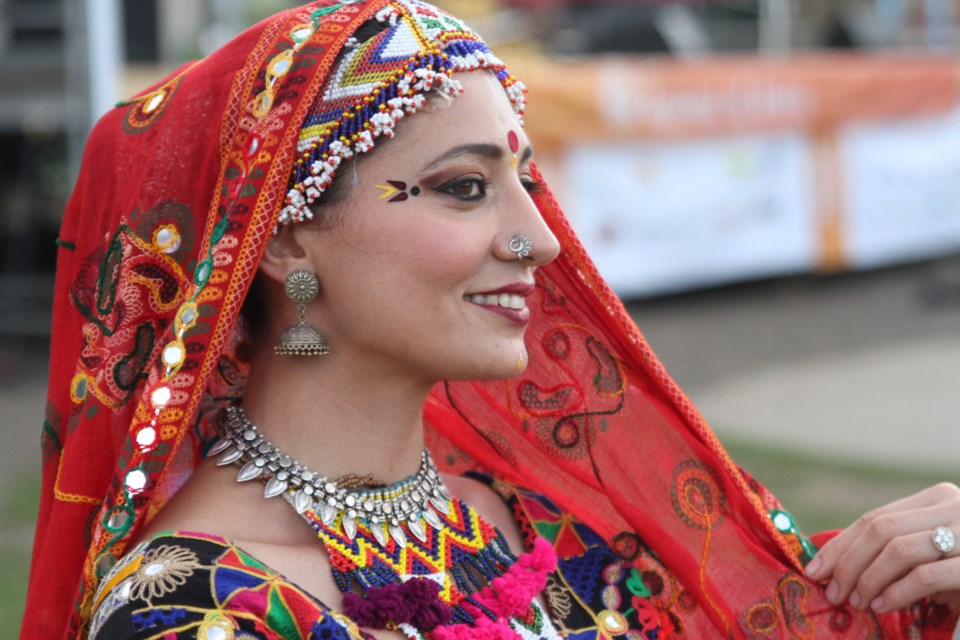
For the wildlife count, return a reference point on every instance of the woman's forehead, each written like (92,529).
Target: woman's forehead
(481,116)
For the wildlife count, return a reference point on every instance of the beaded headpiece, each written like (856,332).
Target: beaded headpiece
(376,84)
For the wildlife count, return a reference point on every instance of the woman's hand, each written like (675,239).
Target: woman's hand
(887,559)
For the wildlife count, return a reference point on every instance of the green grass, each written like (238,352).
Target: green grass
(827,493)
(18,512)
(15,561)
(19,508)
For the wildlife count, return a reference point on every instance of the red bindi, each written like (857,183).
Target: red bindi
(514,141)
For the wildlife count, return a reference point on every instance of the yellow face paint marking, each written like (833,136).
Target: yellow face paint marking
(396,190)
(388,191)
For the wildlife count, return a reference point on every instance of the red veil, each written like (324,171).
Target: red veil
(179,192)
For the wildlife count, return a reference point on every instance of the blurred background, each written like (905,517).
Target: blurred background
(773,187)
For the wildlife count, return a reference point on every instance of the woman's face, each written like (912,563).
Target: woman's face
(416,276)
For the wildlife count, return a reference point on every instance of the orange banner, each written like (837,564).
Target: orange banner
(617,98)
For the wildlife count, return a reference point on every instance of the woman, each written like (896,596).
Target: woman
(430,292)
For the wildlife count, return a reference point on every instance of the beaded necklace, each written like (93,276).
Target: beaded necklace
(447,579)
(453,580)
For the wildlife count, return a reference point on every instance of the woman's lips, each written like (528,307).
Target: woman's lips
(509,301)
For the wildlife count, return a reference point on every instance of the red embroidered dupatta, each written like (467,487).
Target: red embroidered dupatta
(179,192)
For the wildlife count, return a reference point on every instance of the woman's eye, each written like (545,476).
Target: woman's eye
(466,189)
(532,186)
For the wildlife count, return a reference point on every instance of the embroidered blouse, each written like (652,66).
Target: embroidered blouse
(193,585)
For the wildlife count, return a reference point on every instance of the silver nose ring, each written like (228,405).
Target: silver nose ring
(520,245)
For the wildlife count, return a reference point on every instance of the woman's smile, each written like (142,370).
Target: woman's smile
(509,301)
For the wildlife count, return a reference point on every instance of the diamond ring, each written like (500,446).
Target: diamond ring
(944,539)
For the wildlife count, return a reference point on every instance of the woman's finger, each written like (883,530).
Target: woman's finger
(941,577)
(900,556)
(869,546)
(876,524)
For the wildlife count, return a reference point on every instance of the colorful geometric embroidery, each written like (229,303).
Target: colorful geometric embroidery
(450,555)
(192,585)
(150,618)
(595,593)
(380,81)
(460,579)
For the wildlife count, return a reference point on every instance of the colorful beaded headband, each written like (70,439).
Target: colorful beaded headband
(377,83)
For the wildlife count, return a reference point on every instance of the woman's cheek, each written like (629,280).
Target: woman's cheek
(444,252)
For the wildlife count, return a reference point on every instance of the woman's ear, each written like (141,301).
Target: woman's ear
(284,254)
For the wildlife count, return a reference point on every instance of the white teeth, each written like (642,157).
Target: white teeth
(507,300)
(511,301)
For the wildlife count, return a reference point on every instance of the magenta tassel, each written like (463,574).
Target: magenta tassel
(415,602)
(363,612)
(510,595)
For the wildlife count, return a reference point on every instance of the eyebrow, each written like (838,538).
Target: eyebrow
(491,151)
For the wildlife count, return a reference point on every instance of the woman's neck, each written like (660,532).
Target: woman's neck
(335,418)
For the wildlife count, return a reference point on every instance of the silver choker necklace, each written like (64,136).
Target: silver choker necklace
(394,510)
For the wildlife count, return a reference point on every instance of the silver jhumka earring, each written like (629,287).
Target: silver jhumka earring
(302,339)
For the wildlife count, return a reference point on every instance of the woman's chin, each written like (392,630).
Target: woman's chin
(499,366)
(510,364)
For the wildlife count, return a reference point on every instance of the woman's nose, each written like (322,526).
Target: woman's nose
(525,235)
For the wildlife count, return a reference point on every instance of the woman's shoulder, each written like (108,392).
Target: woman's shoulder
(194,585)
